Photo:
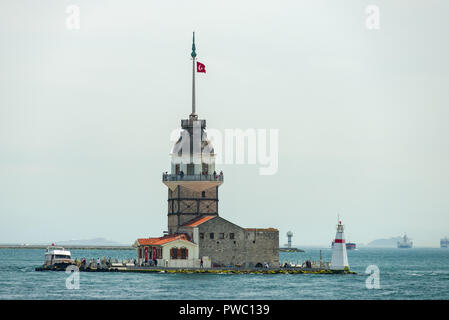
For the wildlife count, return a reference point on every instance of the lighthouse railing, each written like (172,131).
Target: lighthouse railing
(192,177)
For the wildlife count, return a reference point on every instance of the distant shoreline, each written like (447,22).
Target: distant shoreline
(83,247)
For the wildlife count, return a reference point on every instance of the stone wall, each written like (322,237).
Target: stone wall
(233,245)
(263,246)
(189,204)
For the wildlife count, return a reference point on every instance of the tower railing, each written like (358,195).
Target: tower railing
(187,123)
(192,177)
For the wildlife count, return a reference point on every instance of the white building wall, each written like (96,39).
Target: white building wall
(192,247)
(192,261)
(196,236)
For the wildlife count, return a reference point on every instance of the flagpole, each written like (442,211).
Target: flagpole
(193,87)
(193,54)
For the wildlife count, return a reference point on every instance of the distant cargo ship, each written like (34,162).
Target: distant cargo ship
(349,245)
(444,243)
(405,243)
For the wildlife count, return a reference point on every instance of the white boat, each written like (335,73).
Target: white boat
(57,255)
(405,243)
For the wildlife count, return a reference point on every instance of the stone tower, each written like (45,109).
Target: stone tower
(193,181)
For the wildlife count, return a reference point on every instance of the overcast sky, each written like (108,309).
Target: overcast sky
(86,115)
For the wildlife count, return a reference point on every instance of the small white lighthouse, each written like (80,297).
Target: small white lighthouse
(289,237)
(339,256)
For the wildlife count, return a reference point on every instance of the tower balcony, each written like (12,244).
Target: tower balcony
(195,182)
(188,123)
(192,177)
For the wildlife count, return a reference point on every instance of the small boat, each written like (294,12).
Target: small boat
(444,243)
(57,256)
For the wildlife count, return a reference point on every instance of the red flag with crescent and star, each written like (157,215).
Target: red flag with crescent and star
(200,67)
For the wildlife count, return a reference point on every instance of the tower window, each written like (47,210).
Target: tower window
(231,236)
(177,170)
(201,235)
(221,235)
(205,168)
(211,235)
(203,194)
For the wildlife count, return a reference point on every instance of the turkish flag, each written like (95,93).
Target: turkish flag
(200,67)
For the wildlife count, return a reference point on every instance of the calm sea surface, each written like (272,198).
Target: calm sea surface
(404,274)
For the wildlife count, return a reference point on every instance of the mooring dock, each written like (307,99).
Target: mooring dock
(230,270)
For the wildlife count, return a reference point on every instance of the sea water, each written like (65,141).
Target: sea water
(418,273)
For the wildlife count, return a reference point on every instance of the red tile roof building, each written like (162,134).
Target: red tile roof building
(161,240)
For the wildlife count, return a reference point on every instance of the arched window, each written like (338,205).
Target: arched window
(174,253)
(184,253)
